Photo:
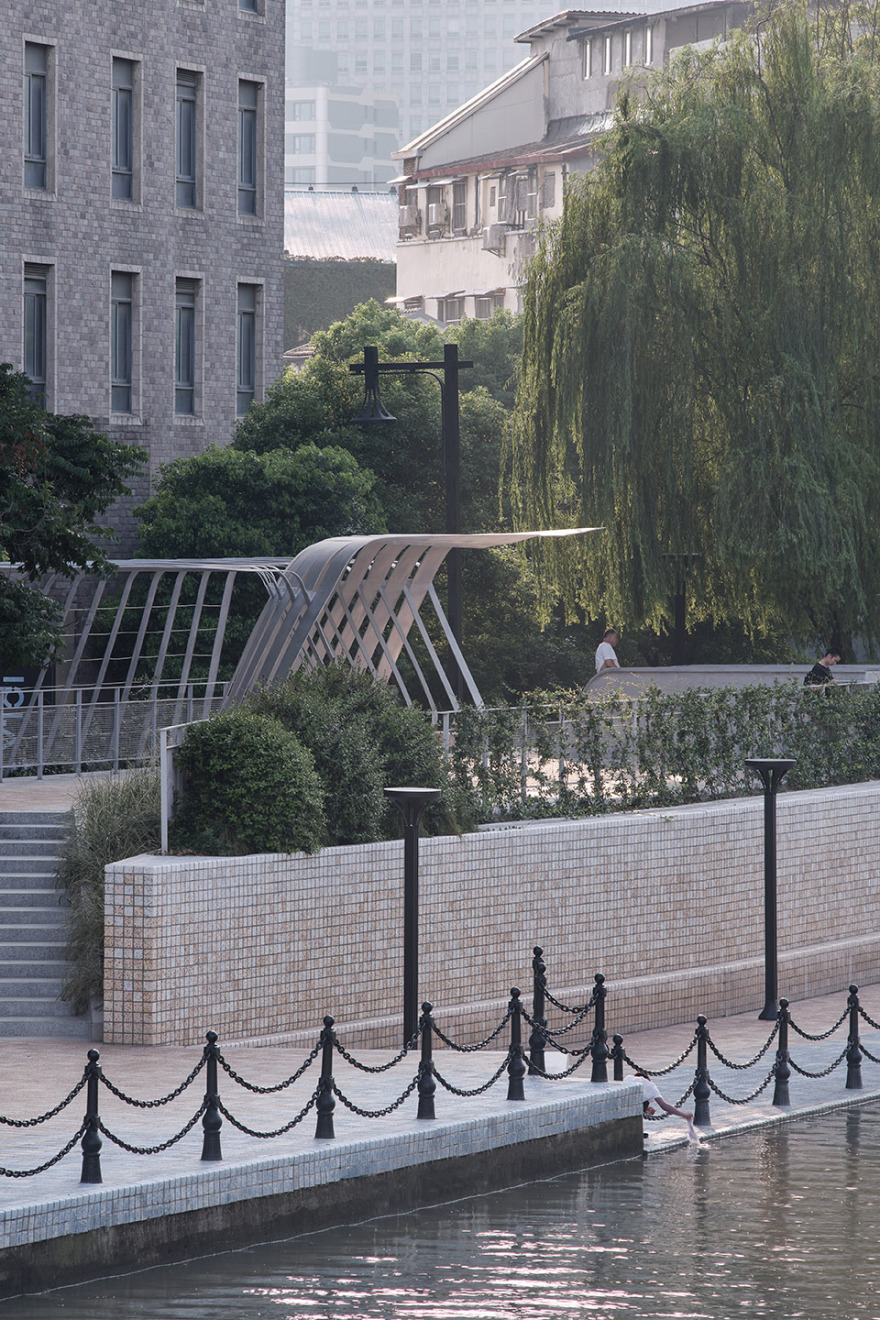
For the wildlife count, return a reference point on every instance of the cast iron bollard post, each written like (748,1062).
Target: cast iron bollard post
(599,1046)
(91,1142)
(617,1057)
(771,771)
(212,1122)
(427,1085)
(326,1102)
(781,1070)
(516,1067)
(412,802)
(853,1052)
(701,1079)
(538,1038)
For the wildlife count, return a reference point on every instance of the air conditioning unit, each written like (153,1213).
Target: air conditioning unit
(408,217)
(493,238)
(438,213)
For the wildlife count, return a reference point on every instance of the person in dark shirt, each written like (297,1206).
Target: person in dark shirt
(821,671)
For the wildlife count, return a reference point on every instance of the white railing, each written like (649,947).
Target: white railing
(78,729)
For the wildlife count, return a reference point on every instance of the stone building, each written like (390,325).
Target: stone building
(142,213)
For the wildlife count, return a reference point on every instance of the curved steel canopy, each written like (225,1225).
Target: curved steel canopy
(356,599)
(154,629)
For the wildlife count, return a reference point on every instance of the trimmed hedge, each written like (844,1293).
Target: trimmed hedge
(660,750)
(250,786)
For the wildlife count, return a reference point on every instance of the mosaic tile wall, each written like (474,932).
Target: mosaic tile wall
(668,904)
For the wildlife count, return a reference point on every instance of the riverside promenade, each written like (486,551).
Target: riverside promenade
(173,1205)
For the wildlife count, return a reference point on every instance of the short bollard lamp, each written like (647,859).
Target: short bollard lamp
(771,771)
(412,802)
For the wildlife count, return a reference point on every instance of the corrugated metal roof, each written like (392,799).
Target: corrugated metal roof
(323,226)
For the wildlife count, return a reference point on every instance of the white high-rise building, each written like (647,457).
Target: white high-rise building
(364,77)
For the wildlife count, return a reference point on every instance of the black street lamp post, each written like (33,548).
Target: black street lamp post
(771,771)
(374,410)
(412,802)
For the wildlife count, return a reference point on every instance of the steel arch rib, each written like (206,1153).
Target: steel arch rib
(357,600)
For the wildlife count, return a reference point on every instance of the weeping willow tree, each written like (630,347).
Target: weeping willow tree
(701,368)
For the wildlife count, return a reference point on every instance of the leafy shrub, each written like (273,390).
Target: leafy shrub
(112,819)
(560,752)
(363,740)
(251,786)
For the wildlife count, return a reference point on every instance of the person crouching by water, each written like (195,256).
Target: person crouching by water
(652,1100)
(821,671)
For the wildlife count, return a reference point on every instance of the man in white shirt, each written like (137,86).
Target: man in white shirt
(605,655)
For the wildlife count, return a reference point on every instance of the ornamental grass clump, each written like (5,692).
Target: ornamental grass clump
(250,786)
(111,819)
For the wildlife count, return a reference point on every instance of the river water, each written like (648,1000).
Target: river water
(779,1223)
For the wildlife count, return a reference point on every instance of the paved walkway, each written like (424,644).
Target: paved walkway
(37,1074)
(51,793)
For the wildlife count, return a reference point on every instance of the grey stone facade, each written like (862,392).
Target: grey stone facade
(67,226)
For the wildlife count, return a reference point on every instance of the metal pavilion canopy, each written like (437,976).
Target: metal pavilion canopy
(356,599)
(143,646)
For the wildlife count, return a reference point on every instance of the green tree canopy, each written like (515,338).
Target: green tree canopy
(58,475)
(225,502)
(702,339)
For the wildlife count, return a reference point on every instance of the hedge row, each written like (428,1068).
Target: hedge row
(562,753)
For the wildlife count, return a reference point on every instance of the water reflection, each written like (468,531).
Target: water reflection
(779,1224)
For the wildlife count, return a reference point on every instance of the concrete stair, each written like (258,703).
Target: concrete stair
(33,917)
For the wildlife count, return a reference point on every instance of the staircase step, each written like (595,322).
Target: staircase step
(65,1028)
(36,845)
(22,831)
(33,884)
(27,930)
(57,968)
(20,989)
(38,864)
(34,1006)
(12,818)
(32,897)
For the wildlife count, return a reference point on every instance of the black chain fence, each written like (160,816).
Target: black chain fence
(519,1058)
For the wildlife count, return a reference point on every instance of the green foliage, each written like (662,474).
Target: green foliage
(225,502)
(701,336)
(112,819)
(664,749)
(57,476)
(363,740)
(250,786)
(317,293)
(494,347)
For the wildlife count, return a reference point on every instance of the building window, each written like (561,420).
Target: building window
(36,330)
(249,6)
(451,310)
(485,305)
(123,130)
(649,44)
(459,206)
(627,49)
(121,341)
(300,144)
(36,116)
(303,174)
(606,57)
(187,138)
(246,370)
(248,137)
(548,191)
(185,347)
(301,110)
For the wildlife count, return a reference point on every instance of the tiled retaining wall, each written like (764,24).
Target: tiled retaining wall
(668,904)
